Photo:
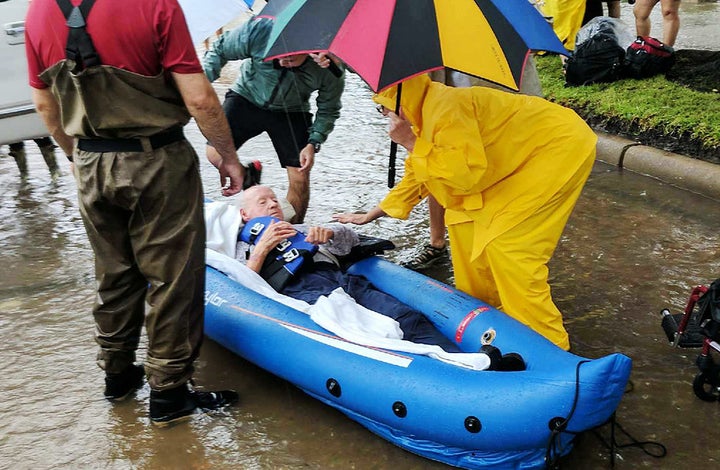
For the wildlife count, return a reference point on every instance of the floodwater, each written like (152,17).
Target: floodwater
(632,247)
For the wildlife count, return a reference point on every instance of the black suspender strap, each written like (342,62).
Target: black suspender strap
(79,47)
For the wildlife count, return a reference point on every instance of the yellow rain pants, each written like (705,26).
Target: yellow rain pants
(511,273)
(508,169)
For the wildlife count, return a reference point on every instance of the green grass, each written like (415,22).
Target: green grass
(638,105)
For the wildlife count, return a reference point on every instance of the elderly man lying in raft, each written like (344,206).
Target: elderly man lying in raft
(303,263)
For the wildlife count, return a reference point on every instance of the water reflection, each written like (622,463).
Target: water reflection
(632,247)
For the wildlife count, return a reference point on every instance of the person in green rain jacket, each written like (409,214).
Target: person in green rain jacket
(274,97)
(508,170)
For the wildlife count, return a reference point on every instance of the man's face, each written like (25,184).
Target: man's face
(292,60)
(260,201)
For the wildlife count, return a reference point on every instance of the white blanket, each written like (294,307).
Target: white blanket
(340,314)
(222,222)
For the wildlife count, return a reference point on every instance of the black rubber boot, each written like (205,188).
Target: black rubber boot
(119,386)
(177,404)
(494,354)
(511,362)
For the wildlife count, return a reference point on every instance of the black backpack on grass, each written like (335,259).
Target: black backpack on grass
(599,58)
(647,57)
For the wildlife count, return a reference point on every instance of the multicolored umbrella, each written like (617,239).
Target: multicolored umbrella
(387,41)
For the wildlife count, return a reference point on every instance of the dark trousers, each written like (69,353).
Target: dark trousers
(324,278)
(288,131)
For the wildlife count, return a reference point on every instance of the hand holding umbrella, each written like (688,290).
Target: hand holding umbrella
(401,131)
(326,61)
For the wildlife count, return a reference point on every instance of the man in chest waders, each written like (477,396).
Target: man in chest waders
(115,82)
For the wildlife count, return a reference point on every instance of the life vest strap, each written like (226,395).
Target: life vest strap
(286,259)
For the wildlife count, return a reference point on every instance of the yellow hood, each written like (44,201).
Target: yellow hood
(412,98)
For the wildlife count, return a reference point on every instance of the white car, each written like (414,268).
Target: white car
(18,119)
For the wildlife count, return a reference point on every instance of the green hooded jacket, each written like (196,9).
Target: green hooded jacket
(272,87)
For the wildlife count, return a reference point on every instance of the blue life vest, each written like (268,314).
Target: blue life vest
(286,259)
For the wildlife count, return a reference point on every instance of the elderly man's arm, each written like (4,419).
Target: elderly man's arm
(344,239)
(275,233)
(49,110)
(335,238)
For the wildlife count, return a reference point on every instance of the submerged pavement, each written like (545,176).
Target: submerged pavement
(678,170)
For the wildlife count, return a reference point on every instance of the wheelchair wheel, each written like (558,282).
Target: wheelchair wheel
(705,387)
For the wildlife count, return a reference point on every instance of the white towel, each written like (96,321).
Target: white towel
(343,316)
(340,314)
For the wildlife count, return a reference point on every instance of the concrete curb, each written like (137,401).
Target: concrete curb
(678,170)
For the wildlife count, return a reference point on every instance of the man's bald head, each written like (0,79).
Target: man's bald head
(260,201)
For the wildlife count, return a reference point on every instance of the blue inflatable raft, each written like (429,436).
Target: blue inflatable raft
(464,418)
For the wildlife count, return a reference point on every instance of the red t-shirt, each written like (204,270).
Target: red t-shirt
(141,36)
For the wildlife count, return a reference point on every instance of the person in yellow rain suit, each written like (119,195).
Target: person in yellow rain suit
(508,170)
(567,18)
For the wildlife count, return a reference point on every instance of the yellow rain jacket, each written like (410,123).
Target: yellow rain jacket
(508,170)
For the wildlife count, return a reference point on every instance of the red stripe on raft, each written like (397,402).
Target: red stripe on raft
(466,321)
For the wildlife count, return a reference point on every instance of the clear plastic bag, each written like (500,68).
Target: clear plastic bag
(606,25)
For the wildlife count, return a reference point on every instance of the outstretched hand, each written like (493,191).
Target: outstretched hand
(321,58)
(328,61)
(351,218)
